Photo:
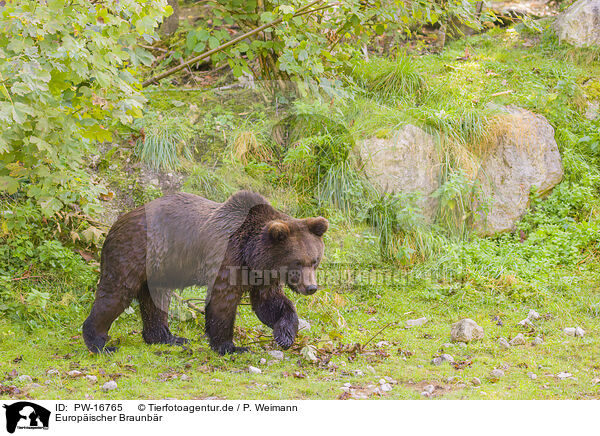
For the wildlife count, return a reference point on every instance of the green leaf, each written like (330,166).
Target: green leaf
(213,42)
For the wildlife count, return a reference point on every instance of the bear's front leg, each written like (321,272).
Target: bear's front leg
(219,319)
(277,311)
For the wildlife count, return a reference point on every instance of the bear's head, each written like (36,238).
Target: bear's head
(294,248)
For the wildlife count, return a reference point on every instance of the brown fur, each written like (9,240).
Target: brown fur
(183,240)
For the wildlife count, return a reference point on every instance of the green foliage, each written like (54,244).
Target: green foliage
(68,72)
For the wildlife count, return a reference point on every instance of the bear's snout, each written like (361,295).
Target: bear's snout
(311,289)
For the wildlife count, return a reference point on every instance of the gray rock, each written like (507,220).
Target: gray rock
(575,331)
(74,373)
(595,381)
(303,324)
(518,340)
(430,389)
(475,381)
(496,375)
(580,23)
(34,386)
(358,373)
(592,110)
(52,372)
(263,361)
(537,341)
(184,377)
(466,330)
(416,322)
(503,343)
(385,387)
(564,375)
(438,360)
(24,378)
(408,162)
(533,315)
(523,155)
(276,354)
(526,323)
(254,370)
(91,378)
(109,385)
(532,375)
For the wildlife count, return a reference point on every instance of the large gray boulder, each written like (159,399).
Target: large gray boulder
(407,162)
(524,155)
(580,23)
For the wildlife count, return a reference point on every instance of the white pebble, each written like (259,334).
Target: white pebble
(52,372)
(564,375)
(347,385)
(579,332)
(503,343)
(476,381)
(91,378)
(74,373)
(184,377)
(537,341)
(526,323)
(25,378)
(109,385)
(429,389)
(532,375)
(254,370)
(533,315)
(386,387)
(518,340)
(416,322)
(263,361)
(276,354)
(595,381)
(496,374)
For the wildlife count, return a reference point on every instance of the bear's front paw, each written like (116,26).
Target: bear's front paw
(284,333)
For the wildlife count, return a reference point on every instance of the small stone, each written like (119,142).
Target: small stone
(518,340)
(303,324)
(425,394)
(442,359)
(503,343)
(109,385)
(52,372)
(466,330)
(569,331)
(429,389)
(371,369)
(579,332)
(496,375)
(184,377)
(537,341)
(447,345)
(216,380)
(595,381)
(263,361)
(276,354)
(447,357)
(91,378)
(74,373)
(461,386)
(416,322)
(564,375)
(450,379)
(35,386)
(532,375)
(254,370)
(475,381)
(345,388)
(357,372)
(533,315)
(347,385)
(382,344)
(24,378)
(385,387)
(574,331)
(526,323)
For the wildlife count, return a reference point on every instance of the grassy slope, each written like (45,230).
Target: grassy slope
(568,298)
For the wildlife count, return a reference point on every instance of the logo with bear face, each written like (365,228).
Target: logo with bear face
(26,415)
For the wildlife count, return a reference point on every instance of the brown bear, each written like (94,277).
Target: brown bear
(241,245)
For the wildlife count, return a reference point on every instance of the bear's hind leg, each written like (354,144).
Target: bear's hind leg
(108,305)
(277,311)
(154,308)
(219,319)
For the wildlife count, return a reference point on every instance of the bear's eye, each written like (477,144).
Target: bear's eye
(315,262)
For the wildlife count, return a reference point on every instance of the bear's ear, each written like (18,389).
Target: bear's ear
(317,225)
(278,231)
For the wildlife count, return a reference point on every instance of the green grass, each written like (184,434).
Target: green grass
(143,371)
